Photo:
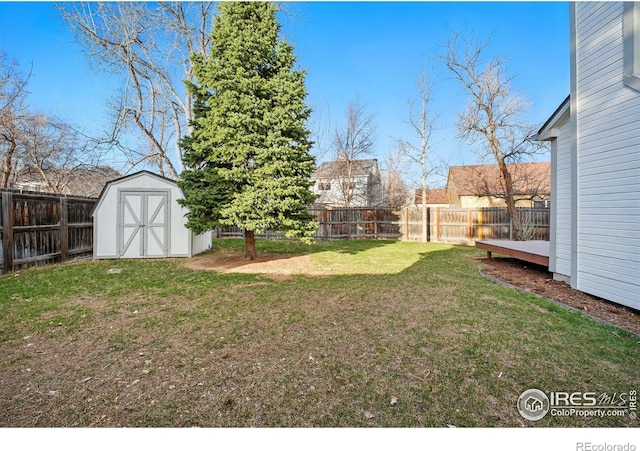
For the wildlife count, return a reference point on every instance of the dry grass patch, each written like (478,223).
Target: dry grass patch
(361,257)
(161,344)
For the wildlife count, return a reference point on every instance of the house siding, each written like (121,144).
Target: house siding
(608,159)
(360,195)
(562,203)
(494,202)
(364,175)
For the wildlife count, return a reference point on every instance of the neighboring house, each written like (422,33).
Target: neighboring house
(348,183)
(595,149)
(436,197)
(74,182)
(481,186)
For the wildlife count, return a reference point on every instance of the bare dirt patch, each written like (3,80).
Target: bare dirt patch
(538,280)
(275,266)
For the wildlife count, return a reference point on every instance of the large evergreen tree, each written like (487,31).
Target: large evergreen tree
(248,153)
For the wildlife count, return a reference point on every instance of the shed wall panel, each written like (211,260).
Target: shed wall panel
(201,243)
(105,222)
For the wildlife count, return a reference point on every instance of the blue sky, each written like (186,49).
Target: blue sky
(369,50)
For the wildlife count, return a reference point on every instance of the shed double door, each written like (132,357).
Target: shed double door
(143,224)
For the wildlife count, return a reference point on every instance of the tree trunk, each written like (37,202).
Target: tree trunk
(515,220)
(511,207)
(425,226)
(508,184)
(511,201)
(250,245)
(6,163)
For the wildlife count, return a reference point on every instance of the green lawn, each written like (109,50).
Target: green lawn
(163,345)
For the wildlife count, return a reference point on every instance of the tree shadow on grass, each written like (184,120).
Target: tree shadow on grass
(292,246)
(323,258)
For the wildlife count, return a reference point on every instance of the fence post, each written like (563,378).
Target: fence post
(7,232)
(406,223)
(428,224)
(326,227)
(375,223)
(470,225)
(64,230)
(438,224)
(510,226)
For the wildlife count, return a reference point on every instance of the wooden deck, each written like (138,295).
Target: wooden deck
(529,251)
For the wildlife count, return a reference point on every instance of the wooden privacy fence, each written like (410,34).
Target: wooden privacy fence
(344,224)
(449,225)
(357,223)
(466,225)
(42,228)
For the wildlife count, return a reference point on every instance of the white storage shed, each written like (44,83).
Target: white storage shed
(138,216)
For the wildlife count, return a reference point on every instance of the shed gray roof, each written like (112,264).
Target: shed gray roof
(126,177)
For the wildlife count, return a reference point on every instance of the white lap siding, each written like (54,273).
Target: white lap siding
(608,159)
(562,198)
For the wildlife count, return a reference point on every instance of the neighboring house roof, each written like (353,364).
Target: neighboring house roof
(340,168)
(434,196)
(486,180)
(87,181)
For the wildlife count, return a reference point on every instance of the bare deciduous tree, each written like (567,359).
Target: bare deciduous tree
(55,155)
(421,121)
(37,149)
(321,133)
(152,44)
(13,112)
(395,191)
(351,144)
(494,119)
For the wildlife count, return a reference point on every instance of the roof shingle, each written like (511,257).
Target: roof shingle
(486,180)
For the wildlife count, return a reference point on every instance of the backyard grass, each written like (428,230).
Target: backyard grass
(383,334)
